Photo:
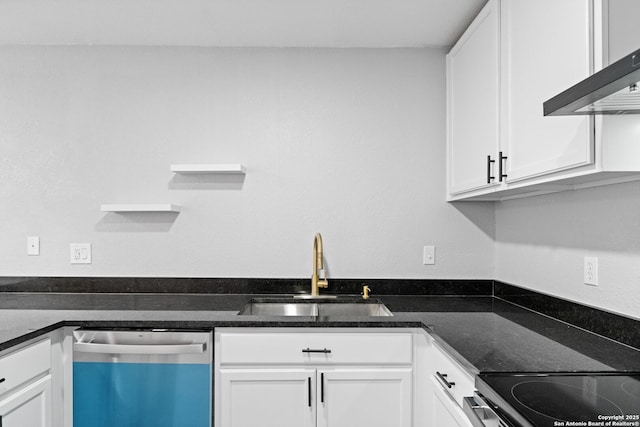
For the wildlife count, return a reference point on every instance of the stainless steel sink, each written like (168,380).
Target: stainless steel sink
(279,309)
(353,309)
(333,308)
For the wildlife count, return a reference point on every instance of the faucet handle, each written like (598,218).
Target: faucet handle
(365,292)
(322,279)
(323,282)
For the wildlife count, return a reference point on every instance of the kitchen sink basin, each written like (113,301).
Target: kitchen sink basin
(325,308)
(353,309)
(279,309)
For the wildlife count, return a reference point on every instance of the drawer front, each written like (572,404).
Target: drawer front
(21,366)
(460,381)
(316,348)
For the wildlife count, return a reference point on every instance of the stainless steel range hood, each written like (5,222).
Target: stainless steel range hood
(612,90)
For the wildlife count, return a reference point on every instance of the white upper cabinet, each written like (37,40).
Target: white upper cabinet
(472,104)
(546,49)
(623,36)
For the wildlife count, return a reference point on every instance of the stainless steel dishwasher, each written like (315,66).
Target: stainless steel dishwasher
(142,378)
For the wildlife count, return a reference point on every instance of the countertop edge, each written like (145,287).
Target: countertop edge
(210,324)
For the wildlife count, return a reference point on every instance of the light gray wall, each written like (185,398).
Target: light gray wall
(350,143)
(541,243)
(346,142)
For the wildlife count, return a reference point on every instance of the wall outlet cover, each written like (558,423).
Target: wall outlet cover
(33,245)
(80,253)
(591,271)
(429,255)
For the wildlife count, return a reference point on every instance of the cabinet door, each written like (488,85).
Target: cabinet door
(445,412)
(364,398)
(472,102)
(622,32)
(268,398)
(28,407)
(546,48)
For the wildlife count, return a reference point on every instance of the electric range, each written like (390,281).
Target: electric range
(556,399)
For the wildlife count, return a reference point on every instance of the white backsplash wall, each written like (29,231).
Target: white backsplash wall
(347,142)
(541,243)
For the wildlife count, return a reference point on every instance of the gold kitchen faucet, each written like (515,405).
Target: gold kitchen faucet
(316,281)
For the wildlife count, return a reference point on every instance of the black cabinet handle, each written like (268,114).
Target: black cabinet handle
(443,379)
(312,350)
(308,392)
(321,388)
(489,167)
(1,381)
(502,160)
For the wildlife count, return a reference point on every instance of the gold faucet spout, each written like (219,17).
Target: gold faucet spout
(316,282)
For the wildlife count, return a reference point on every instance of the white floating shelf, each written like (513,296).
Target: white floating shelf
(157,207)
(234,168)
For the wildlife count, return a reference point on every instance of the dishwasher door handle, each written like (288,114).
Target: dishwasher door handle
(86,347)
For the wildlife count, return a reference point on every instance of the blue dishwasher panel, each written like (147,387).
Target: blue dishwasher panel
(141,395)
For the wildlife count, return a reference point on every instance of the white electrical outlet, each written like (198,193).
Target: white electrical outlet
(80,253)
(429,255)
(33,245)
(591,271)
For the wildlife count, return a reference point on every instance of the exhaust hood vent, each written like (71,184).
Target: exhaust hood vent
(613,90)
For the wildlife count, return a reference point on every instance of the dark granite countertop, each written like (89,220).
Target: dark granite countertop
(485,333)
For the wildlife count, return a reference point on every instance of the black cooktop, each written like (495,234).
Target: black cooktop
(564,399)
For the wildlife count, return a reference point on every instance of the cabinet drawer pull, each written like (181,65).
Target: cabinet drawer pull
(1,381)
(308,392)
(502,160)
(443,380)
(489,168)
(314,350)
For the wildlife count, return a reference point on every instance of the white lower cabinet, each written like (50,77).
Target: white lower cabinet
(29,406)
(306,398)
(269,398)
(313,378)
(442,384)
(445,412)
(365,398)
(449,383)
(25,386)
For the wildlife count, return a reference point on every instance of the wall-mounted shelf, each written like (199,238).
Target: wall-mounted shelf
(136,207)
(234,168)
